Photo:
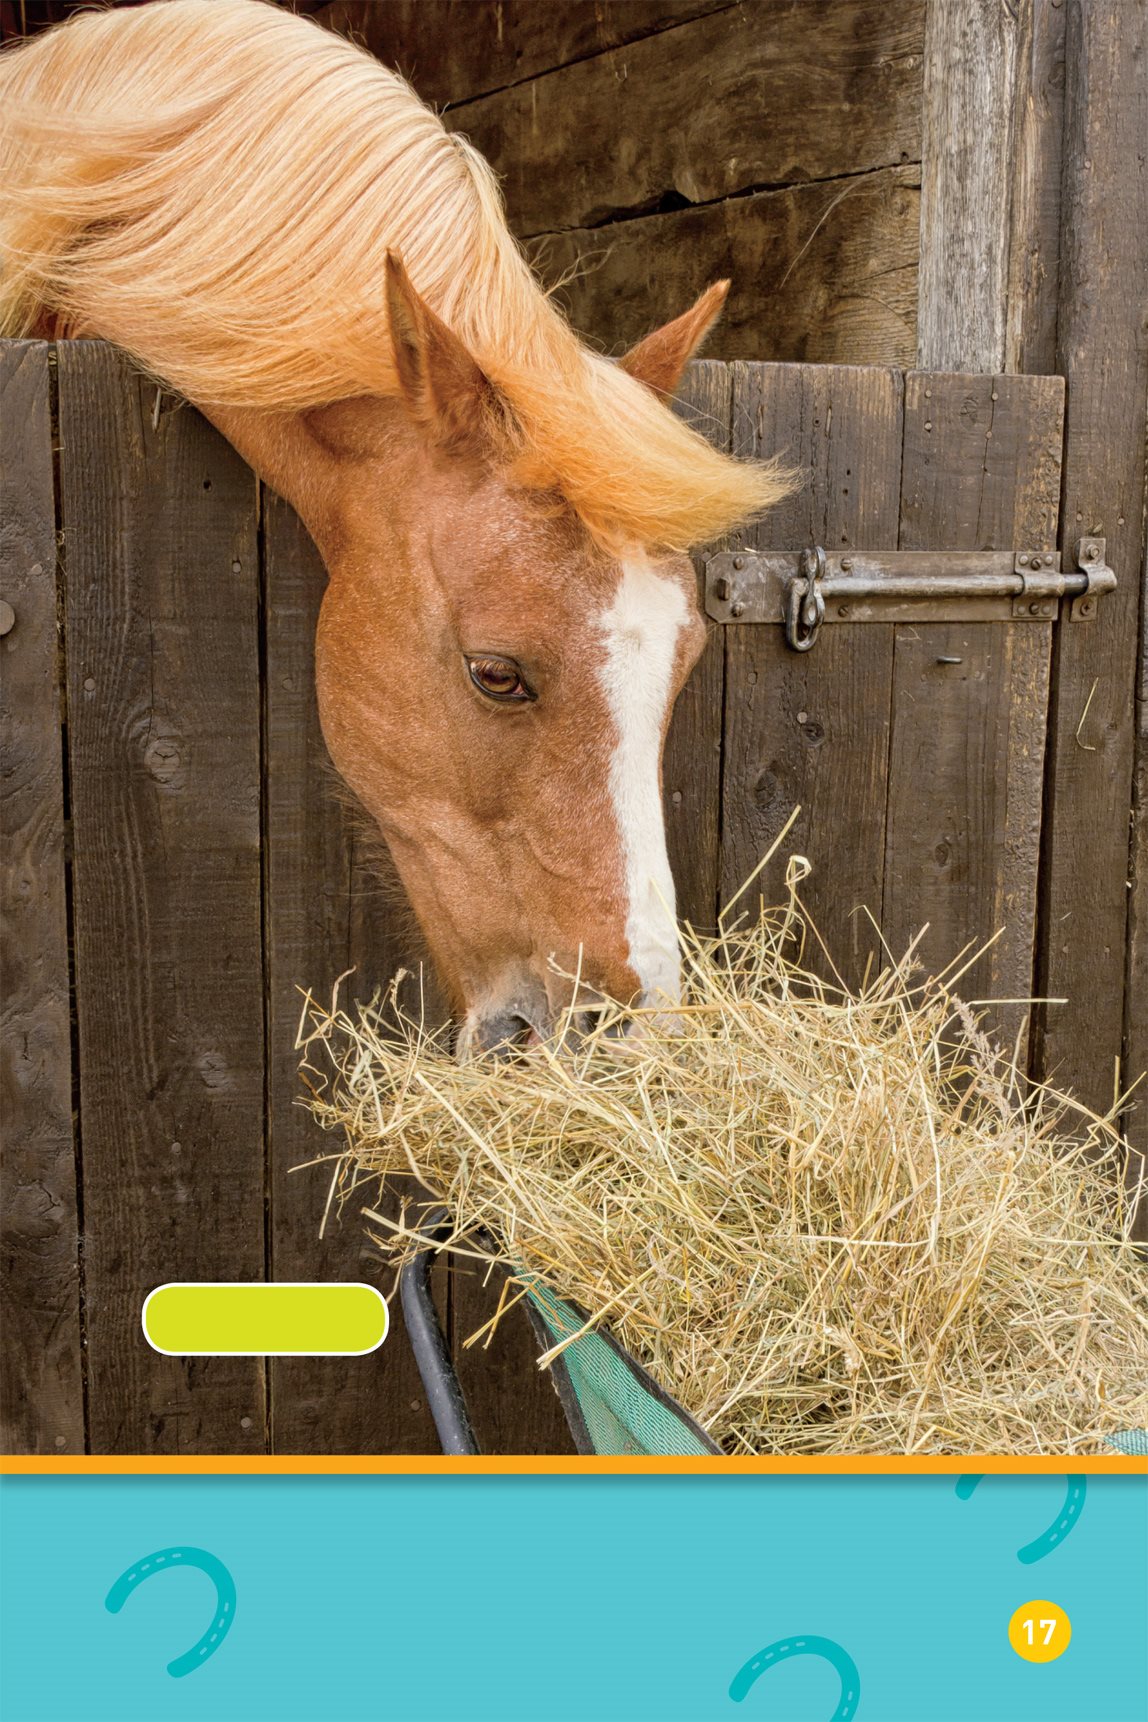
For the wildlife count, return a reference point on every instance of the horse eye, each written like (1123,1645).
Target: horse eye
(498,679)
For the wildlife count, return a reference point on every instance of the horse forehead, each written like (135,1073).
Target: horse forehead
(643,622)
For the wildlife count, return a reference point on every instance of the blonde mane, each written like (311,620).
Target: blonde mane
(214,184)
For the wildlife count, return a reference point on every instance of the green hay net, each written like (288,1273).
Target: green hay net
(613,1406)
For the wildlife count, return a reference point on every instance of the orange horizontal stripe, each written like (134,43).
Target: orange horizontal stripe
(366,1465)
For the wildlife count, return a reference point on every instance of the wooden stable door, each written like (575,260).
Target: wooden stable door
(179,863)
(914,747)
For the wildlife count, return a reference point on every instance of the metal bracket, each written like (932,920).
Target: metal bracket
(803,589)
(1098,577)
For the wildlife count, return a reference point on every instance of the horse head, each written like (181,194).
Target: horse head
(495,684)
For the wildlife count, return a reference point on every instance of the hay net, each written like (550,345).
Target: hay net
(612,1404)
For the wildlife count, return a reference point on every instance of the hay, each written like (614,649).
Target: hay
(825,1223)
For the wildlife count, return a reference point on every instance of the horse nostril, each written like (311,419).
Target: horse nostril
(506,1035)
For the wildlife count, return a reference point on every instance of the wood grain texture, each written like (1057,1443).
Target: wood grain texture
(691,776)
(769,94)
(981,470)
(812,729)
(328,909)
(821,273)
(452,50)
(1102,350)
(41,1385)
(1034,220)
(163,701)
(966,181)
(1136,971)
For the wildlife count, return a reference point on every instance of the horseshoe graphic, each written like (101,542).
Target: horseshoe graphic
(807,1646)
(1060,1526)
(224,1600)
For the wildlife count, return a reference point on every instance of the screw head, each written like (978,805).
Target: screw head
(7,618)
(1023,560)
(842,609)
(739,562)
(1090,552)
(1035,609)
(846,564)
(1084,608)
(1048,561)
(736,609)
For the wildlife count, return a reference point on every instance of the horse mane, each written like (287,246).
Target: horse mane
(213,186)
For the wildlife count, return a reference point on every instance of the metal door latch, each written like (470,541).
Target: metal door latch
(804,589)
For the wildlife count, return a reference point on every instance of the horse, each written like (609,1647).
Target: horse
(272,224)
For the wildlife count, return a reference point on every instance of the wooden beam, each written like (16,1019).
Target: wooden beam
(762,96)
(1034,238)
(812,729)
(1136,972)
(822,274)
(1102,352)
(981,470)
(163,707)
(453,50)
(691,779)
(966,182)
(41,1385)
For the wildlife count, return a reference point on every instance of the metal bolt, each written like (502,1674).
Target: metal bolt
(722,589)
(1090,553)
(1023,561)
(7,618)
(739,562)
(736,609)
(846,564)
(1048,561)
(1036,609)
(842,609)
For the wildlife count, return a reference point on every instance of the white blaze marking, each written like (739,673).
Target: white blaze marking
(642,627)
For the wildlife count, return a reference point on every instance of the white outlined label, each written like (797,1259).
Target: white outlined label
(265,1318)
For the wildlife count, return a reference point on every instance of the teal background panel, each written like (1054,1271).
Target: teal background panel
(567,1599)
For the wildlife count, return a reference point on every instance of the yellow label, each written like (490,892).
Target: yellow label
(256,1318)
(1039,1631)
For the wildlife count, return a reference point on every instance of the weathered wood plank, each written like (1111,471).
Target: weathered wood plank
(452,50)
(41,1385)
(981,470)
(1102,352)
(812,729)
(691,777)
(821,273)
(966,182)
(1136,971)
(765,95)
(163,703)
(326,912)
(1034,238)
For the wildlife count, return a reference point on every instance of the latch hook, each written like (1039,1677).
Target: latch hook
(805,606)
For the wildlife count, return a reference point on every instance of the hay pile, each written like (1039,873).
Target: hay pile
(825,1223)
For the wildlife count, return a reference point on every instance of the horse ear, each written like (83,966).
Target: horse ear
(445,390)
(660,359)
